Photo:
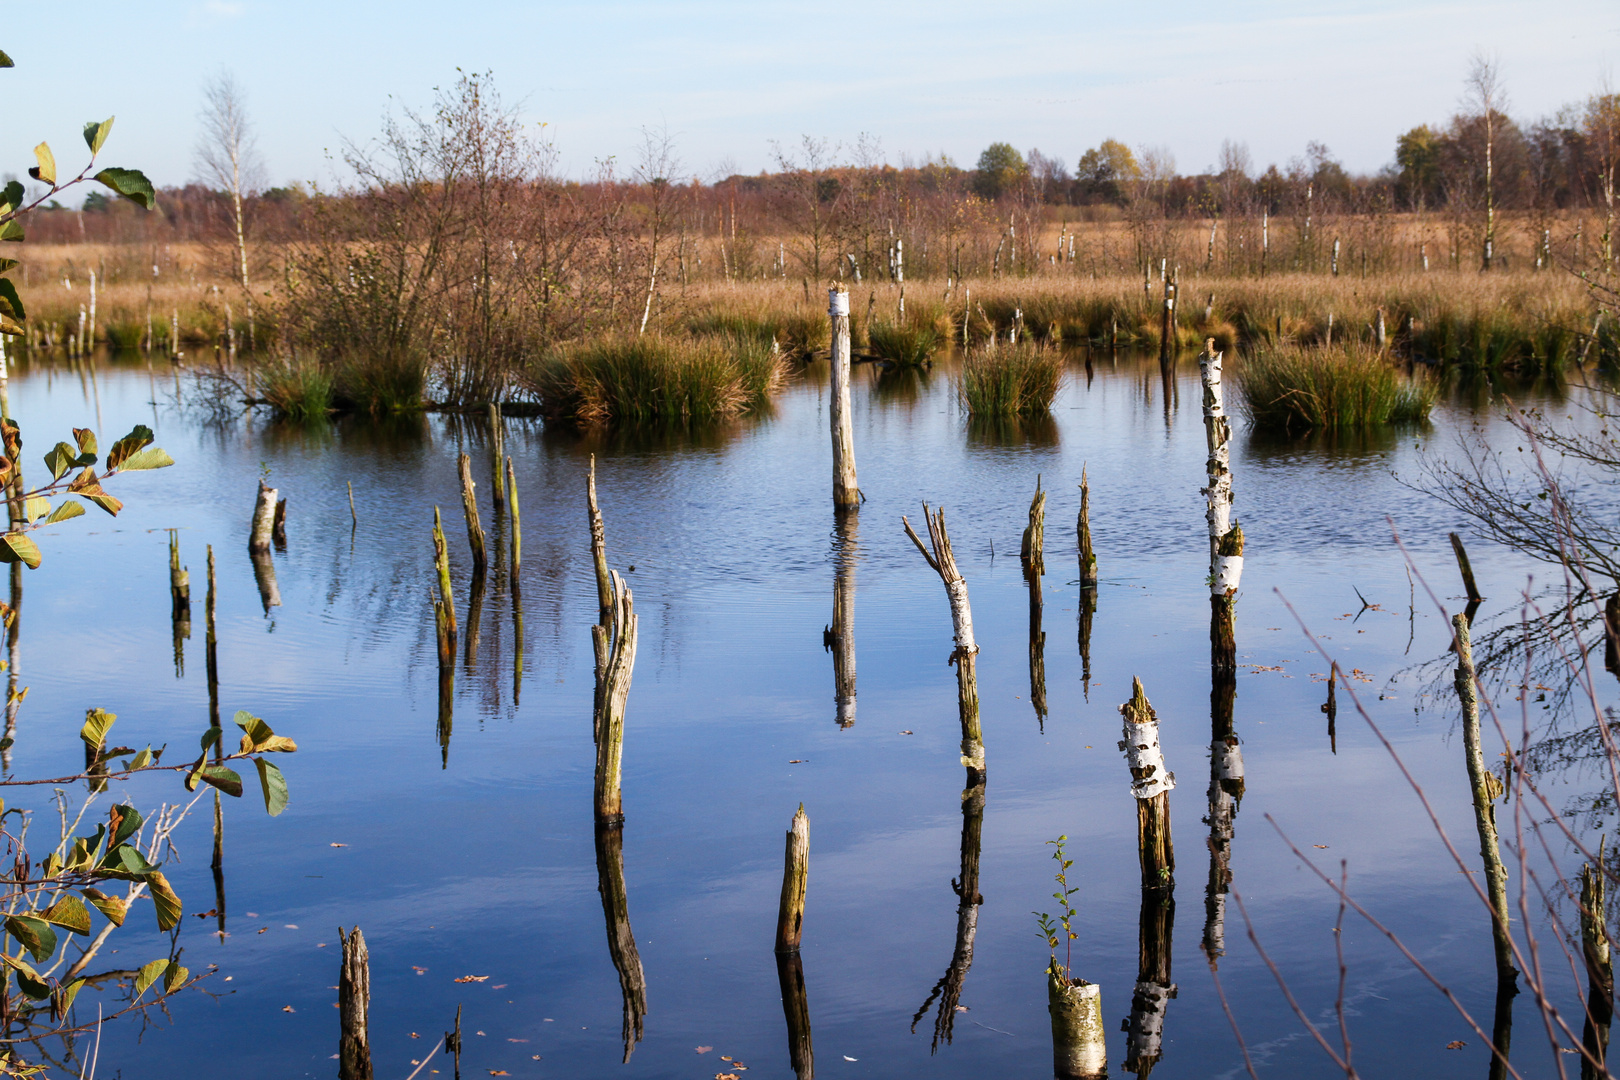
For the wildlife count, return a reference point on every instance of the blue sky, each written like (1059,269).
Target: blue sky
(726,77)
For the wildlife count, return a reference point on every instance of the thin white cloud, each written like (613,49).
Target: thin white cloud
(223,9)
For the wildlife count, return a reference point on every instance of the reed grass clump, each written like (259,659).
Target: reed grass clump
(909,343)
(296,389)
(1010,380)
(1294,388)
(626,379)
(380,382)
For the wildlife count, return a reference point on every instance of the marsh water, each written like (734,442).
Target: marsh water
(471,852)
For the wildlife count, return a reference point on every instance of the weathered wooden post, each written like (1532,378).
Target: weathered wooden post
(1611,633)
(1032,549)
(278,525)
(444,607)
(469,506)
(621,939)
(846,490)
(1379,334)
(1150,784)
(211,645)
(354,518)
(354,1007)
(1474,596)
(179,584)
(795,878)
(604,587)
(1088,557)
(497,456)
(1486,788)
(1599,966)
(517,528)
(264,516)
(1079,1041)
(967,649)
(618,642)
(1225,538)
(1167,328)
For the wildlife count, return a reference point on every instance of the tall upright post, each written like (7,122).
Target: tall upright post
(497,456)
(354,1008)
(604,587)
(1486,788)
(264,516)
(469,506)
(1150,784)
(846,490)
(517,527)
(1088,557)
(1225,538)
(617,642)
(795,877)
(1599,966)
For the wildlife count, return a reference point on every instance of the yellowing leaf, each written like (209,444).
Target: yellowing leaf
(68,912)
(67,510)
(113,907)
(97,722)
(164,899)
(148,975)
(15,547)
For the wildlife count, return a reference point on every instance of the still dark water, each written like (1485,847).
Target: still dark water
(480,860)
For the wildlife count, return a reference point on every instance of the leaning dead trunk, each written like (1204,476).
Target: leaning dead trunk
(1486,789)
(967,649)
(617,642)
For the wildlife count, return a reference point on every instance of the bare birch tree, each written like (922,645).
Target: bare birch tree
(1486,95)
(227,160)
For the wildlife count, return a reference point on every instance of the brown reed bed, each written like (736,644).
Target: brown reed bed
(1298,388)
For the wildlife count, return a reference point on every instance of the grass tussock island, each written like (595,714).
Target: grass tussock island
(656,378)
(1000,380)
(1298,388)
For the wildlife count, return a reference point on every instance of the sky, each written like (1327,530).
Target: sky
(728,80)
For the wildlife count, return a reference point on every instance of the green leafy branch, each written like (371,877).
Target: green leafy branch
(132,453)
(131,184)
(1061,929)
(42,913)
